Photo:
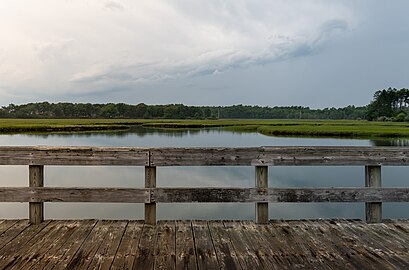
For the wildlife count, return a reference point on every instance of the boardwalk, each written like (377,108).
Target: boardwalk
(92,244)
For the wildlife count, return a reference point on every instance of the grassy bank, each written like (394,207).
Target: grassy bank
(308,128)
(333,128)
(63,125)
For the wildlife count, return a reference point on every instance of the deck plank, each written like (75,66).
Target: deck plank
(205,253)
(346,239)
(166,245)
(247,254)
(12,232)
(105,254)
(299,247)
(145,255)
(224,248)
(72,238)
(302,244)
(126,253)
(6,224)
(81,255)
(337,245)
(33,251)
(380,247)
(185,246)
(16,247)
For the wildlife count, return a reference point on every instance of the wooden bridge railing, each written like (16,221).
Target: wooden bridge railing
(261,157)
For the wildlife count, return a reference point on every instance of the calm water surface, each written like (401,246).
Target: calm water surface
(196,177)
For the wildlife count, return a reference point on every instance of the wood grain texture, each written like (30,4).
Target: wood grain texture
(126,253)
(280,244)
(150,207)
(54,194)
(185,246)
(169,195)
(74,155)
(261,178)
(373,210)
(282,156)
(207,156)
(165,257)
(36,179)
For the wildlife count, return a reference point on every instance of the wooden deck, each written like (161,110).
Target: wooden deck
(303,244)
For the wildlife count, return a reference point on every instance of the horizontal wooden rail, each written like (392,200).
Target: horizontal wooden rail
(204,195)
(54,194)
(78,155)
(208,156)
(275,195)
(260,157)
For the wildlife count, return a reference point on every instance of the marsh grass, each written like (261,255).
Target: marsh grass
(308,128)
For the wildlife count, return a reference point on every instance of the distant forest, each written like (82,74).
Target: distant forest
(388,105)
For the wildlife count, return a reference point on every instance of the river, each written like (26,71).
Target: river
(219,176)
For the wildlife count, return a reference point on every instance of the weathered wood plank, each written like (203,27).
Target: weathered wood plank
(319,249)
(185,246)
(105,254)
(244,249)
(205,253)
(165,257)
(226,254)
(85,254)
(12,232)
(373,210)
(74,155)
(25,238)
(52,247)
(36,179)
(261,182)
(350,241)
(34,250)
(60,256)
(277,249)
(303,244)
(167,195)
(145,255)
(150,207)
(126,253)
(284,156)
(5,225)
(57,194)
(272,256)
(245,156)
(381,242)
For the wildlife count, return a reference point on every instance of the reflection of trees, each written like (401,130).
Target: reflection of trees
(138,131)
(395,142)
(166,132)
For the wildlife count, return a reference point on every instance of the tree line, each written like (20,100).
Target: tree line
(387,104)
(174,111)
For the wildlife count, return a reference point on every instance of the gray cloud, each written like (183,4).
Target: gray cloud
(114,6)
(255,52)
(215,62)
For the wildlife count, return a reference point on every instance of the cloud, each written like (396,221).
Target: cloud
(52,50)
(83,47)
(114,6)
(215,62)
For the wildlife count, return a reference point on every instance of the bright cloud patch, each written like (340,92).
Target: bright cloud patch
(58,47)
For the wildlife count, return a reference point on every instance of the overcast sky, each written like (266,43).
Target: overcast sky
(317,53)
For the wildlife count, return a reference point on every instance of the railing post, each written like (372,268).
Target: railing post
(373,210)
(36,179)
(262,182)
(150,208)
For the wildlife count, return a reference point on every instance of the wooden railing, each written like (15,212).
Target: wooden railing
(261,157)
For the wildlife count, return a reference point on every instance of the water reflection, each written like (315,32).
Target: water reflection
(394,142)
(279,176)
